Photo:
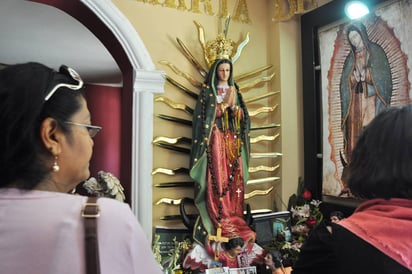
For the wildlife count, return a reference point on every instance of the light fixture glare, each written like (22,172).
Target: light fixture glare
(356,9)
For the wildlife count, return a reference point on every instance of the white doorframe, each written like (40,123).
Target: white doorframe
(146,82)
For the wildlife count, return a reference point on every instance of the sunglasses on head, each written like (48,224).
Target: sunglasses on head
(68,72)
(92,130)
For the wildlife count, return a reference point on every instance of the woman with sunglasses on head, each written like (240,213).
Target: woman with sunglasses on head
(46,145)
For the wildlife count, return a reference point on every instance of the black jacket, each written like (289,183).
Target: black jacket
(341,252)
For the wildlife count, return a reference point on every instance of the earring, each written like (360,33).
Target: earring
(55,166)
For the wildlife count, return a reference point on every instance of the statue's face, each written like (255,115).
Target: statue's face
(223,72)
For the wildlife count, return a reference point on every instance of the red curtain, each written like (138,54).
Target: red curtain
(104,103)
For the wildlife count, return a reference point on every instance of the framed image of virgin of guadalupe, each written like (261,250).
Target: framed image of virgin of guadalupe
(361,68)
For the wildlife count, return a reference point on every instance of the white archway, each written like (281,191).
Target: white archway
(146,81)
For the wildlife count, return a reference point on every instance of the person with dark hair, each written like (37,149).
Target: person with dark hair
(232,249)
(46,145)
(336,216)
(376,237)
(228,256)
(274,262)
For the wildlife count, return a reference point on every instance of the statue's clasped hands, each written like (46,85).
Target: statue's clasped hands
(229,99)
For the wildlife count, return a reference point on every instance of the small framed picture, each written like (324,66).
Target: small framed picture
(243,270)
(242,259)
(272,226)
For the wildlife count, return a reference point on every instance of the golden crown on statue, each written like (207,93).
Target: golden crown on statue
(219,48)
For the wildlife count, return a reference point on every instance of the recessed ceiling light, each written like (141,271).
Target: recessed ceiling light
(356,9)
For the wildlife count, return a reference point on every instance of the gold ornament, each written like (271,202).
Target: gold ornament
(220,48)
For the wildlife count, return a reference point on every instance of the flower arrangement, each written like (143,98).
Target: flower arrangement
(306,215)
(106,185)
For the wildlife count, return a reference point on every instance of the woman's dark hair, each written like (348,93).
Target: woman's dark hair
(276,257)
(233,242)
(381,163)
(338,214)
(23,88)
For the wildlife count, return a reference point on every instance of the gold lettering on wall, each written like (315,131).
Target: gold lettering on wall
(287,9)
(241,12)
(283,9)
(207,6)
(152,2)
(169,3)
(182,5)
(223,9)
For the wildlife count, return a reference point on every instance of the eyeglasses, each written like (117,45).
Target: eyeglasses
(73,74)
(93,130)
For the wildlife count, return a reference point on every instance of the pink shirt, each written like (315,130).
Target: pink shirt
(42,233)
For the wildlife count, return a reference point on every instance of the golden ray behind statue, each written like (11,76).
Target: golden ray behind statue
(221,47)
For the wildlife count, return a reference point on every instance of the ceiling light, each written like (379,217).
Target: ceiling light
(356,9)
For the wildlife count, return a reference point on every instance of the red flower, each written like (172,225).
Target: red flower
(311,222)
(307,195)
